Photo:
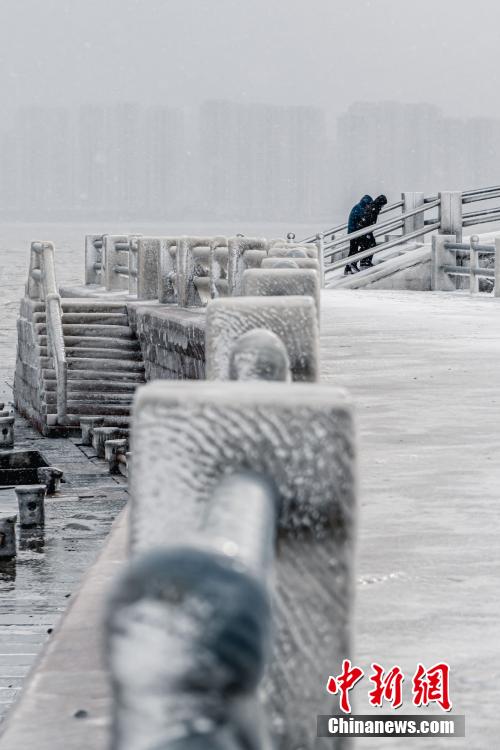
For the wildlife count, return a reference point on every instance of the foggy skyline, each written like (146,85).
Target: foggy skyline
(315,52)
(229,160)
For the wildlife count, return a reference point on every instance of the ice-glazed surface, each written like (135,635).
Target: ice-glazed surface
(186,438)
(292,319)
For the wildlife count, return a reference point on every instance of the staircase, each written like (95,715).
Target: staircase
(104,361)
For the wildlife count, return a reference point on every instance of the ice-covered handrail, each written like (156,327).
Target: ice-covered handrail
(186,605)
(445,254)
(450,217)
(42,285)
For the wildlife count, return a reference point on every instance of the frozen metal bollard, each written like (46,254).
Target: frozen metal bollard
(51,477)
(31,500)
(188,630)
(113,449)
(7,432)
(8,537)
(259,355)
(87,425)
(301,438)
(293,319)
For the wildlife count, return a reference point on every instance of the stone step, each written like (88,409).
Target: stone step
(96,385)
(49,374)
(91,305)
(109,419)
(92,318)
(105,319)
(102,342)
(78,329)
(89,408)
(97,397)
(104,365)
(84,353)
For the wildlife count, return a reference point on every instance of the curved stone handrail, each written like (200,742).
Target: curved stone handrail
(42,285)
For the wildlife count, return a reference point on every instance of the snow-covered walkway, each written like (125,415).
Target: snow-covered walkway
(424,372)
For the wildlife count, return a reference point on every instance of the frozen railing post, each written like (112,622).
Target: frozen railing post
(450,214)
(167,285)
(188,626)
(292,319)
(277,282)
(187,294)
(94,259)
(116,251)
(442,256)
(320,244)
(148,264)
(474,264)
(411,201)
(241,251)
(217,271)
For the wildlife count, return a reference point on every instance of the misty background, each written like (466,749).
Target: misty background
(282,110)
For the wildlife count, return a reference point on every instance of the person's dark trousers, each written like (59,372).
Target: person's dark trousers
(354,247)
(368,241)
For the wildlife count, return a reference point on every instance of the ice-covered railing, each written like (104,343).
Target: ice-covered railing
(241,531)
(188,271)
(447,253)
(447,216)
(42,286)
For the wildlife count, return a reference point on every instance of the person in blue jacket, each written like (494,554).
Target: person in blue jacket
(370,216)
(355,222)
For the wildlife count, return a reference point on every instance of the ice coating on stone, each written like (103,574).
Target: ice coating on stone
(293,251)
(148,261)
(282,281)
(279,262)
(187,640)
(259,355)
(186,437)
(242,252)
(293,319)
(167,287)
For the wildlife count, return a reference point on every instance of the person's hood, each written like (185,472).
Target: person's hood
(381,200)
(365,200)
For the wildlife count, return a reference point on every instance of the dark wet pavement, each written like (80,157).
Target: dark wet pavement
(37,587)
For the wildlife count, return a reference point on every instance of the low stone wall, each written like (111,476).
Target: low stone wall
(172,340)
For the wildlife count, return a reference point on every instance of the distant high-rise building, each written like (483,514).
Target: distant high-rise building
(263,161)
(390,147)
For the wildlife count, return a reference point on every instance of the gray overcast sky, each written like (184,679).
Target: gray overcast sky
(321,52)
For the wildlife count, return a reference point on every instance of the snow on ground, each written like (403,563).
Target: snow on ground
(423,369)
